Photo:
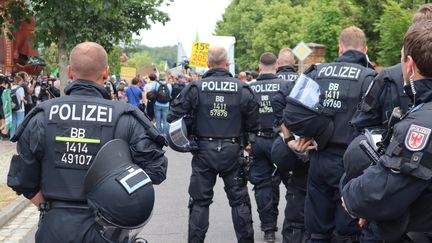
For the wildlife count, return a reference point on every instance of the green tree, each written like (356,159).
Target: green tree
(50,56)
(240,20)
(326,21)
(68,22)
(282,26)
(140,60)
(114,60)
(391,28)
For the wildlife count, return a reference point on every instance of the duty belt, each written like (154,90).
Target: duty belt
(46,206)
(266,134)
(232,140)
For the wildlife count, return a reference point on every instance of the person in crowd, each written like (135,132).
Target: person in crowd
(56,150)
(18,113)
(223,115)
(393,196)
(134,94)
(286,63)
(338,96)
(262,170)
(163,94)
(121,92)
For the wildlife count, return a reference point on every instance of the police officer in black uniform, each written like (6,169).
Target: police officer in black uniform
(385,93)
(262,170)
(342,85)
(59,139)
(394,195)
(286,70)
(224,108)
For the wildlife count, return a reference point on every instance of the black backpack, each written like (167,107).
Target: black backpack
(177,88)
(15,102)
(163,93)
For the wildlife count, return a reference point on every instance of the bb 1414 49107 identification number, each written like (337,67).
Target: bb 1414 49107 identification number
(77,159)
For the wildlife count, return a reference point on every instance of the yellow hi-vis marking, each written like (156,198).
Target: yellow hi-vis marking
(77,140)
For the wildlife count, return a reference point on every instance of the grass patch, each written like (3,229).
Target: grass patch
(7,195)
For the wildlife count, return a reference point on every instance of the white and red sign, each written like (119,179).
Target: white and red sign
(417,137)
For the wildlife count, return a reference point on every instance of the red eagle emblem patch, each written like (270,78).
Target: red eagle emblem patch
(417,137)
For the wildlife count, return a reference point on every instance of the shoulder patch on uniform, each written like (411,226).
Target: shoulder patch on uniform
(417,137)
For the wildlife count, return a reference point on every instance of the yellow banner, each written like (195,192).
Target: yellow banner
(199,54)
(127,73)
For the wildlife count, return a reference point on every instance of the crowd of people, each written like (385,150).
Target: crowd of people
(351,146)
(19,94)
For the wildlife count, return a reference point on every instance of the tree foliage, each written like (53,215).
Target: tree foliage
(114,60)
(391,28)
(283,24)
(69,22)
(269,25)
(239,20)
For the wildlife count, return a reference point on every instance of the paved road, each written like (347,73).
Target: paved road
(170,215)
(7,149)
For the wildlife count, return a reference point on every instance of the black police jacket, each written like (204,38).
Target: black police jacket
(399,185)
(343,83)
(222,106)
(385,93)
(287,73)
(265,88)
(279,102)
(58,140)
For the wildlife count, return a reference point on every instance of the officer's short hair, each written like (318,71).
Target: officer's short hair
(418,45)
(88,60)
(353,37)
(286,57)
(423,13)
(217,55)
(268,59)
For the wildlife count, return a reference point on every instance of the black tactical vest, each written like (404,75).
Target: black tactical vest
(218,114)
(342,87)
(264,91)
(77,126)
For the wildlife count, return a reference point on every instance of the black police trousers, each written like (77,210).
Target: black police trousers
(266,186)
(323,209)
(218,157)
(293,230)
(68,225)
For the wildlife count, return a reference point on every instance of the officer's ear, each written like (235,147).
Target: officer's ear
(69,72)
(105,73)
(341,49)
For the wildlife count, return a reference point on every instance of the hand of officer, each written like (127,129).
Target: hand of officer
(361,222)
(302,145)
(286,133)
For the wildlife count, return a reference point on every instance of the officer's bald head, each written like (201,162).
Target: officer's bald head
(217,57)
(352,38)
(286,57)
(88,61)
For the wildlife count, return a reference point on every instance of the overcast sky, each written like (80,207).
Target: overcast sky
(187,17)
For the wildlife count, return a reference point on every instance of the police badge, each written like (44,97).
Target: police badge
(417,137)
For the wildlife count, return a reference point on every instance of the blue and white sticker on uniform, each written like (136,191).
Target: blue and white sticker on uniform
(417,137)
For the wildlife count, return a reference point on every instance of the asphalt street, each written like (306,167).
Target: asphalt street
(170,215)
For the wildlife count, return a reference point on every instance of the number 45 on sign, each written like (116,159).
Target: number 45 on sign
(199,54)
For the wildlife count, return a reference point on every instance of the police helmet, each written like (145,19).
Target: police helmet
(178,137)
(119,193)
(356,160)
(303,114)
